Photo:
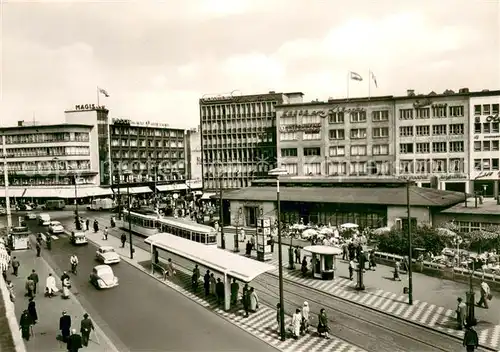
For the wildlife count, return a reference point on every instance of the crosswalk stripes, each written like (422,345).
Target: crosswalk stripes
(45,235)
(261,324)
(423,313)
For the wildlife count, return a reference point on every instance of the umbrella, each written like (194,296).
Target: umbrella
(381,231)
(309,233)
(326,231)
(349,226)
(442,231)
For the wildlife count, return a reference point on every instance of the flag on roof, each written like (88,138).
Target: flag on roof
(356,76)
(103,91)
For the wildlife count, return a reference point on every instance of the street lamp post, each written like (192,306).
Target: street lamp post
(410,240)
(280,172)
(118,194)
(221,215)
(127,175)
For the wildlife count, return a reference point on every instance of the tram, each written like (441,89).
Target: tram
(148,223)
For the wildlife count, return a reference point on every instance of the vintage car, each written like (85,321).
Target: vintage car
(102,276)
(77,238)
(56,227)
(43,219)
(107,255)
(30,216)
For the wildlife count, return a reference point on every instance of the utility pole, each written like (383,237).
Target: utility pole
(410,240)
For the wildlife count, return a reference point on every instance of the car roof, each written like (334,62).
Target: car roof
(44,214)
(79,233)
(106,247)
(103,267)
(55,222)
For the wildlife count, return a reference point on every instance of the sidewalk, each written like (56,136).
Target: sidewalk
(50,309)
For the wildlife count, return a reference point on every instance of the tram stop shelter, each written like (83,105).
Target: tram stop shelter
(229,264)
(324,259)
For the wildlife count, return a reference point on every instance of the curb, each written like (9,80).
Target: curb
(11,319)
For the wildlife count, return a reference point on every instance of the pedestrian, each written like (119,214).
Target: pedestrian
(15,266)
(235,288)
(206,283)
(297,255)
(344,251)
(296,323)
(303,267)
(10,288)
(25,325)
(105,234)
(96,226)
(195,277)
(30,287)
(485,295)
(32,311)
(123,239)
(323,328)
(245,299)
(271,243)
(397,268)
(471,341)
(86,327)
(254,300)
(219,291)
(39,239)
(38,249)
(248,249)
(371,263)
(48,242)
(50,286)
(252,242)
(461,313)
(64,326)
(305,317)
(213,284)
(170,269)
(35,278)
(351,269)
(74,342)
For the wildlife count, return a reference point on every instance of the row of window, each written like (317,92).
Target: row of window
(49,165)
(425,166)
(226,183)
(137,165)
(486,127)
(149,143)
(48,137)
(137,176)
(358,168)
(486,164)
(224,141)
(45,181)
(486,109)
(486,146)
(153,132)
(434,147)
(125,154)
(358,116)
(238,155)
(355,150)
(234,110)
(238,125)
(47,151)
(437,130)
(437,111)
(359,133)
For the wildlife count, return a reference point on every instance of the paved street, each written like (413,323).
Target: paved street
(142,314)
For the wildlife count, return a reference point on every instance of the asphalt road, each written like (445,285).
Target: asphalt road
(141,314)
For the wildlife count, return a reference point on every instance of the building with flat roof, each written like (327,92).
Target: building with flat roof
(238,137)
(341,137)
(366,202)
(475,215)
(484,154)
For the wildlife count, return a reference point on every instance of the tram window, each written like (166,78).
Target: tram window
(212,239)
(196,236)
(186,234)
(157,224)
(203,237)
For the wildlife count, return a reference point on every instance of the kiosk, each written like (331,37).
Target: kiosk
(324,261)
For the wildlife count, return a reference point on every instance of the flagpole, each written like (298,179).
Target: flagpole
(97,90)
(369,84)
(348,78)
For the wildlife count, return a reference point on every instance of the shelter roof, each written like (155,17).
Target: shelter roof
(234,265)
(427,197)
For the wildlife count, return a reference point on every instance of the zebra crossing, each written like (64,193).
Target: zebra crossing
(261,324)
(423,313)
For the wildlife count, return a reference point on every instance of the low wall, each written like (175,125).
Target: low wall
(12,322)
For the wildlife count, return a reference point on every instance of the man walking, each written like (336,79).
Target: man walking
(65,326)
(74,342)
(86,327)
(34,276)
(235,288)
(123,238)
(15,266)
(485,295)
(105,234)
(38,249)
(471,341)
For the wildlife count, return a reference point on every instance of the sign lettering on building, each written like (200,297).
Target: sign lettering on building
(422,103)
(89,107)
(128,122)
(493,118)
(306,127)
(428,176)
(493,136)
(320,113)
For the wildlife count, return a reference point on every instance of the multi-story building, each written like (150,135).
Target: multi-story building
(432,138)
(193,159)
(45,161)
(340,137)
(146,149)
(238,137)
(484,153)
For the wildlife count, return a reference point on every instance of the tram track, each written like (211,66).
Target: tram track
(358,325)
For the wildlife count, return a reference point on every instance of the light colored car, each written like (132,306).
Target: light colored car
(77,238)
(43,219)
(107,255)
(30,216)
(56,227)
(102,276)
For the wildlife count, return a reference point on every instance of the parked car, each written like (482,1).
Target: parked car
(107,255)
(56,227)
(30,216)
(102,276)
(78,238)
(43,219)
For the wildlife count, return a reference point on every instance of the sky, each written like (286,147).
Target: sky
(157,58)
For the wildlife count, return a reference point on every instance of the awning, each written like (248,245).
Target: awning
(133,190)
(93,192)
(207,196)
(194,184)
(174,187)
(13,192)
(50,193)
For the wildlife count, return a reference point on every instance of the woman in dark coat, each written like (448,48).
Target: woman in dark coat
(25,325)
(323,328)
(32,311)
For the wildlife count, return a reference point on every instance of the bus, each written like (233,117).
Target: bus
(148,223)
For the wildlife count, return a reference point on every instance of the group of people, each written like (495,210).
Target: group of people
(301,321)
(69,335)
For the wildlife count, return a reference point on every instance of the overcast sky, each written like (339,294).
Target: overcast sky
(157,58)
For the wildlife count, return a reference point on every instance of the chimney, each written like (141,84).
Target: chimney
(463,90)
(410,92)
(272,92)
(20,123)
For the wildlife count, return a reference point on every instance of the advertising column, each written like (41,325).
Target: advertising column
(263,233)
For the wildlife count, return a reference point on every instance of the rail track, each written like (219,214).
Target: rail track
(356,324)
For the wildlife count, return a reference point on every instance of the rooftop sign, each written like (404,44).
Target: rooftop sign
(89,107)
(128,122)
(320,113)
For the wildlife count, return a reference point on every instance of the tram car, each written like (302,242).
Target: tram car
(147,223)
